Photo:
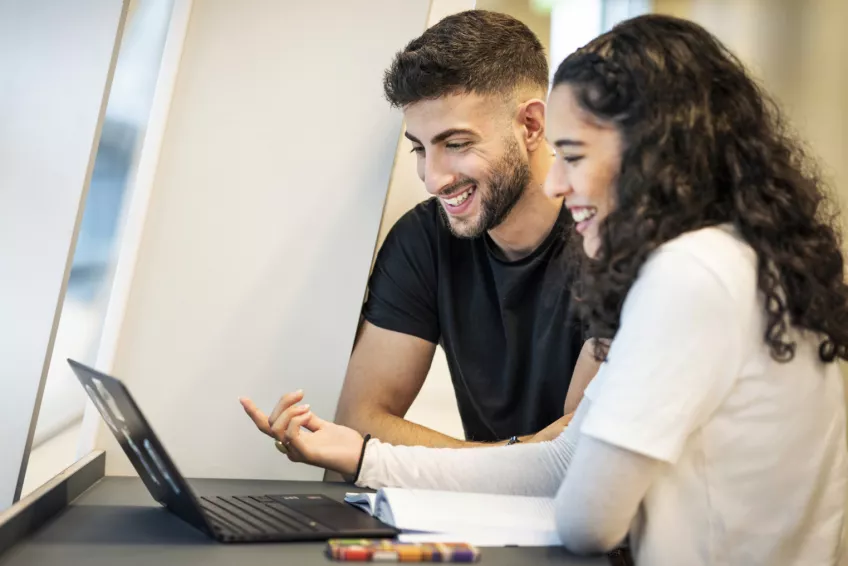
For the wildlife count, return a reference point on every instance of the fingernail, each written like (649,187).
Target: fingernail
(305,407)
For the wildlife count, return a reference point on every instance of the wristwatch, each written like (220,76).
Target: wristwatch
(513,440)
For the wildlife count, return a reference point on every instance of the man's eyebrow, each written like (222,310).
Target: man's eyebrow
(568,143)
(439,138)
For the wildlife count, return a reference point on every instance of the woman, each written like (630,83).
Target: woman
(714,431)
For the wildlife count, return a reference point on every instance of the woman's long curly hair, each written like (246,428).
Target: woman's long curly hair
(703,146)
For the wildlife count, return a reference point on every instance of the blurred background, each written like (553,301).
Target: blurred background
(797,48)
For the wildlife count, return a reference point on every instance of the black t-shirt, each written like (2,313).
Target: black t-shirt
(507,329)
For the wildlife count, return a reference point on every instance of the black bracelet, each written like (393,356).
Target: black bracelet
(361,457)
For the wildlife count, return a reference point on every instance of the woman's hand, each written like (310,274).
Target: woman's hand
(322,444)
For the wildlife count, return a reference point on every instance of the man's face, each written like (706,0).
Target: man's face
(469,157)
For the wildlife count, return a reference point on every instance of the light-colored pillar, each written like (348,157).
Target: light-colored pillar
(56,62)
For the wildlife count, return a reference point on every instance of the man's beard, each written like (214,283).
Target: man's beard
(506,182)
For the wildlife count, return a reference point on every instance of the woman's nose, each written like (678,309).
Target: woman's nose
(557,183)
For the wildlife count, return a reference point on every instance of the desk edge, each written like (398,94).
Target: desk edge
(32,512)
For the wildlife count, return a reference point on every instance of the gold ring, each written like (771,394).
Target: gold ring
(281,447)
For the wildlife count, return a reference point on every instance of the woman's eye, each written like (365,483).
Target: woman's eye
(417,149)
(572,158)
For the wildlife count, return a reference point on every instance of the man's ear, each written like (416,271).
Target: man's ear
(531,117)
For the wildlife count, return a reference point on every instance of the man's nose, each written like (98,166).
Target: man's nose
(436,176)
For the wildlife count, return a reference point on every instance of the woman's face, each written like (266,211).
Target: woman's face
(587,164)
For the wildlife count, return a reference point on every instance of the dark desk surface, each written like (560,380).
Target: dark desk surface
(117,523)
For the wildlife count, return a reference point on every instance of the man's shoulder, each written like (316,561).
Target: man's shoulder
(402,289)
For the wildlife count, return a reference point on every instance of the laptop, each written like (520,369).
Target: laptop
(226,518)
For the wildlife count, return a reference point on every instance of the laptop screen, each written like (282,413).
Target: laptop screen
(135,436)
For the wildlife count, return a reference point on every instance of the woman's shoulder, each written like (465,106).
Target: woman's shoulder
(722,242)
(718,250)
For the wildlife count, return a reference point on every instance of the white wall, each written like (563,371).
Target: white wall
(56,60)
(261,223)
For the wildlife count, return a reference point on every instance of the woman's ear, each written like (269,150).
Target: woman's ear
(531,117)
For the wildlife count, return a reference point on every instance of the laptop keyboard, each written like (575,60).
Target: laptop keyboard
(261,515)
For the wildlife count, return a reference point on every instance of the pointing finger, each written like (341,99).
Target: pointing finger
(257,416)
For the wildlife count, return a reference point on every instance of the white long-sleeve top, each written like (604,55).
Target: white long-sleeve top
(692,438)
(530,469)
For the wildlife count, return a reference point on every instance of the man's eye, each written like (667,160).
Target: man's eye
(459,145)
(417,149)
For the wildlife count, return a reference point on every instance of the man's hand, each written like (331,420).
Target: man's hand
(322,444)
(585,369)
(553,430)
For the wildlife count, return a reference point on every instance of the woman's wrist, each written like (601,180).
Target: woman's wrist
(361,458)
(352,467)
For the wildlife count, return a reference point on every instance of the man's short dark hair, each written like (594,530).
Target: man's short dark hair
(476,51)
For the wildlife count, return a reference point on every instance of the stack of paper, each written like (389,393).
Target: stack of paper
(476,518)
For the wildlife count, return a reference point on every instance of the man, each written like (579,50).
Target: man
(481,267)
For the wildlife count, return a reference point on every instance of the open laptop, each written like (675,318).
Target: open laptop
(271,518)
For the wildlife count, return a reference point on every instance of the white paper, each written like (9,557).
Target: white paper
(475,518)
(447,511)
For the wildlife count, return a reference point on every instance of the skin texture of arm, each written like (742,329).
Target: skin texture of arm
(584,371)
(385,374)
